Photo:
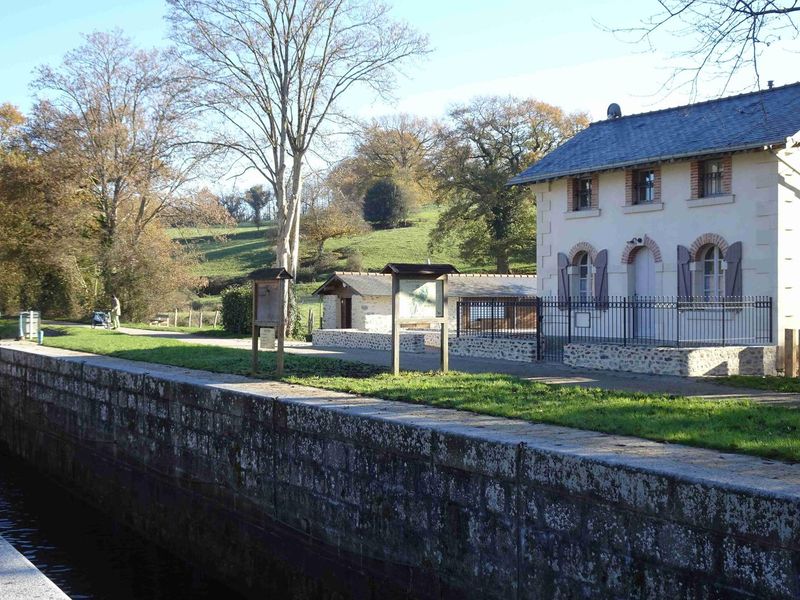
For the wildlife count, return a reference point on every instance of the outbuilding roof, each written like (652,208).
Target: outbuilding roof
(736,123)
(459,285)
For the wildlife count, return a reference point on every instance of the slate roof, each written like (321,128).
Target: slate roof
(417,269)
(735,123)
(459,285)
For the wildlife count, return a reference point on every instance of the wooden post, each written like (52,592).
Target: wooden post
(254,333)
(281,330)
(790,366)
(175,322)
(444,346)
(201,319)
(216,317)
(190,316)
(395,325)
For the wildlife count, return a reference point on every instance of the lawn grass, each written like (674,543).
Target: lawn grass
(732,425)
(9,328)
(198,331)
(775,384)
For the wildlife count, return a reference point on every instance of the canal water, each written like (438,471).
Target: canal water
(86,553)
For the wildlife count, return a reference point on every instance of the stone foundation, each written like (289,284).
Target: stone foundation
(686,362)
(373,340)
(499,348)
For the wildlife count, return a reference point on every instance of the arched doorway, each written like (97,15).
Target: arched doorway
(644,287)
(644,272)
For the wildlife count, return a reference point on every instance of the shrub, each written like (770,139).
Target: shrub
(306,274)
(237,309)
(355,261)
(385,204)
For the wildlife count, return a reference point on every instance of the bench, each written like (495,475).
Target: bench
(160,319)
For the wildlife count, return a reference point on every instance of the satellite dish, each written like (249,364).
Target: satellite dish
(614,111)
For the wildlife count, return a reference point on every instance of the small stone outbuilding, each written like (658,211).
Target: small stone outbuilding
(362,301)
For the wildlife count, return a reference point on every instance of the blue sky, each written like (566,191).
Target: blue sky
(554,51)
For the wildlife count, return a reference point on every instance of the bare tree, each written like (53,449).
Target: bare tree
(722,37)
(272,72)
(118,115)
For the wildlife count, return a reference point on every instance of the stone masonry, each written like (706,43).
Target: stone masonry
(407,501)
(686,362)
(500,348)
(373,340)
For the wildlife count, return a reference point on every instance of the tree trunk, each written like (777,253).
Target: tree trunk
(502,262)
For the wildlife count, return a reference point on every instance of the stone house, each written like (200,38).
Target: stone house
(698,201)
(362,301)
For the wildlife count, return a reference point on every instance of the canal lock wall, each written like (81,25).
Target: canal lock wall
(264,481)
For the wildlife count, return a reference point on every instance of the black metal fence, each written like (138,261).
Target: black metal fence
(634,321)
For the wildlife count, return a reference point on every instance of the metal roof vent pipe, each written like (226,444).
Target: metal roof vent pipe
(614,111)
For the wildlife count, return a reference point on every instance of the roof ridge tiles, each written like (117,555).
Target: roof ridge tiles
(693,104)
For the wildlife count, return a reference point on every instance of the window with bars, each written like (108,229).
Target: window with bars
(644,183)
(583,194)
(711,174)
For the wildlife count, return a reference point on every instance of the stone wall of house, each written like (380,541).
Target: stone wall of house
(687,362)
(398,500)
(355,338)
(500,348)
(330,311)
(372,313)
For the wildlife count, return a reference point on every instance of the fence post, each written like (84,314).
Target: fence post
(491,317)
(770,319)
(624,321)
(723,321)
(538,328)
(569,320)
(790,353)
(677,322)
(458,318)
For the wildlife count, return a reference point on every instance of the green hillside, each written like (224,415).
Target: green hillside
(234,252)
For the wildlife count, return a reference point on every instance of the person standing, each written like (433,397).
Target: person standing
(116,311)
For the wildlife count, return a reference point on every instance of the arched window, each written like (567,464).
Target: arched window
(582,276)
(712,275)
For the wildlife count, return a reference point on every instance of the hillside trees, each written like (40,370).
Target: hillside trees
(482,145)
(257,198)
(272,75)
(386,204)
(45,239)
(119,120)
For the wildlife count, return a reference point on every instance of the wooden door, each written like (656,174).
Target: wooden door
(345,313)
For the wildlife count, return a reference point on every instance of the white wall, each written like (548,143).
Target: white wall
(788,255)
(372,313)
(330,311)
(751,219)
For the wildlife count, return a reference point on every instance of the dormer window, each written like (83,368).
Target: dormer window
(711,178)
(583,194)
(644,183)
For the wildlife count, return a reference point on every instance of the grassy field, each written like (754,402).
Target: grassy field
(9,328)
(732,425)
(235,252)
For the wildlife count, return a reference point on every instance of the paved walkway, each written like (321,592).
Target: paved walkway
(545,372)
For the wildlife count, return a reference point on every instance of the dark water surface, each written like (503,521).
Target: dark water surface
(86,553)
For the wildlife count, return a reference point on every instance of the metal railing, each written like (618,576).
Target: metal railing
(633,321)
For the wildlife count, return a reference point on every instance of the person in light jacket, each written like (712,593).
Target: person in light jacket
(116,311)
